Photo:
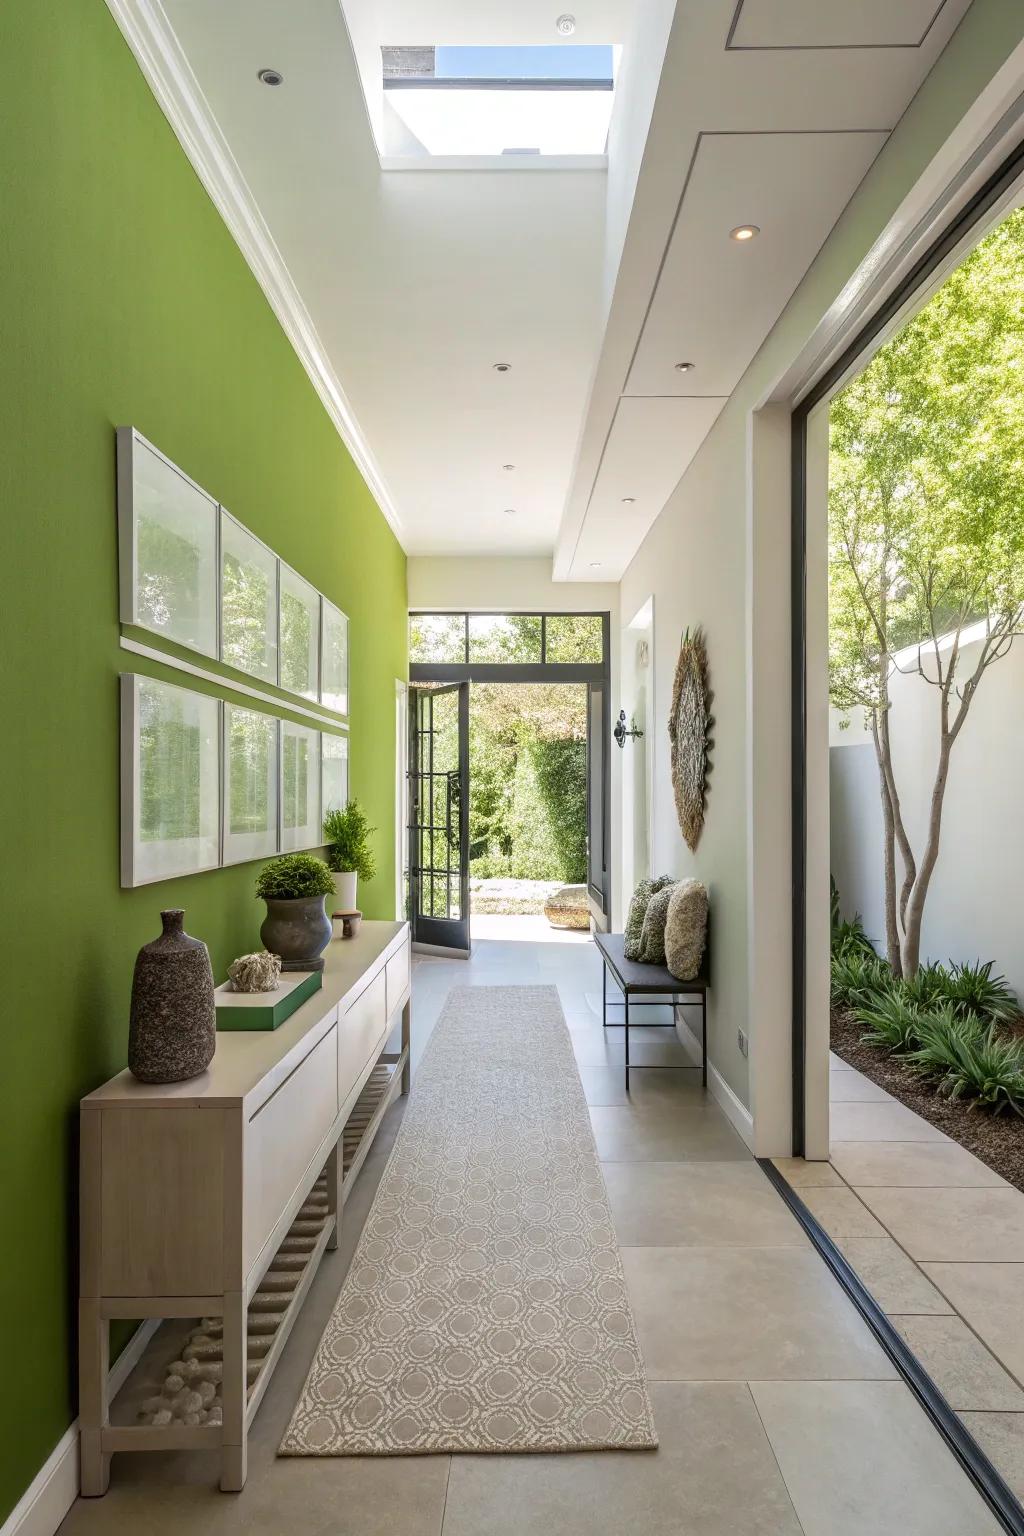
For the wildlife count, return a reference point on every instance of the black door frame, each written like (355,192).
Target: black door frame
(996,187)
(443,933)
(596,675)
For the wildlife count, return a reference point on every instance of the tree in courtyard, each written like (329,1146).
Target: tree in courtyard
(926,533)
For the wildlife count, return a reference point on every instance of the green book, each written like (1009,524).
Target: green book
(265,1010)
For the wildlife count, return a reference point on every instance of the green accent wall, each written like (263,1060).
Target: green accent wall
(125,300)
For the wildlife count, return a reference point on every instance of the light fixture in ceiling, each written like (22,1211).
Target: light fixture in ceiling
(685,367)
(508,468)
(595,565)
(627,501)
(510,511)
(271,77)
(565,26)
(501,367)
(744,232)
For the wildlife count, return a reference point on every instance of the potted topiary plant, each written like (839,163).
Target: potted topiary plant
(347,832)
(296,926)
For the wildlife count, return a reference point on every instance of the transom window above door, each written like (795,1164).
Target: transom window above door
(447,639)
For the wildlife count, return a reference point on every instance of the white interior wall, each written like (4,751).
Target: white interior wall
(697,565)
(976,900)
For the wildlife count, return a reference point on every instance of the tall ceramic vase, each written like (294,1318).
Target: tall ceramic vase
(173,1031)
(345,890)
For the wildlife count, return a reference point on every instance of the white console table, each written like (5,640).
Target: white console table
(188,1189)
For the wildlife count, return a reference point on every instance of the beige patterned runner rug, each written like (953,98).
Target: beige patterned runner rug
(485,1308)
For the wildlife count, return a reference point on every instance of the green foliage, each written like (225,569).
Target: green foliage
(928,987)
(973,989)
(969,1059)
(890,1020)
(292,876)
(528,812)
(847,937)
(925,451)
(347,832)
(857,975)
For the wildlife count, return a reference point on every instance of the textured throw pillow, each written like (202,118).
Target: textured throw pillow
(637,911)
(686,930)
(652,935)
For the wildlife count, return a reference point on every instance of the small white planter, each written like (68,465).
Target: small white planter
(345,890)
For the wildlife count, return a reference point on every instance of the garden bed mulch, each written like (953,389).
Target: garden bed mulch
(997,1140)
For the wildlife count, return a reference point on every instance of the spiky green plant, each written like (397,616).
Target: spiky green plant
(888,1019)
(927,988)
(969,1059)
(973,989)
(857,975)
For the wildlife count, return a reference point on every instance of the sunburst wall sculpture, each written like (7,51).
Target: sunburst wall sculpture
(689,728)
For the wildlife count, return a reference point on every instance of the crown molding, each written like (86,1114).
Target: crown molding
(160,56)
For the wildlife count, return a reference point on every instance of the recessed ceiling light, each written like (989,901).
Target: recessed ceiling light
(685,367)
(508,468)
(271,77)
(595,565)
(501,367)
(628,500)
(744,232)
(565,26)
(510,511)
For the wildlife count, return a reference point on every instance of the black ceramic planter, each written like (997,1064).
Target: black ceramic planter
(298,930)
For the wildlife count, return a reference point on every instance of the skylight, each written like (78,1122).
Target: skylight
(508,101)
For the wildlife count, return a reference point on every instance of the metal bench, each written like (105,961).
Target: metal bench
(638,980)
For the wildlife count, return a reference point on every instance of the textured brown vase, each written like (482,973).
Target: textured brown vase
(173,1032)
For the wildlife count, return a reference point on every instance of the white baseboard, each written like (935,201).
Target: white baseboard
(736,1112)
(54,1488)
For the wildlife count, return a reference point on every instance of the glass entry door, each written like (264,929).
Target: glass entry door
(439,816)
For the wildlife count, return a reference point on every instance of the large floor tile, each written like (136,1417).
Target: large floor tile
(988,1297)
(943,1164)
(661,1132)
(840,1212)
(959,1364)
(880,1122)
(713,1474)
(955,1225)
(802,1174)
(860,1457)
(850,1087)
(893,1279)
(701,1204)
(738,1314)
(607,1085)
(1001,1437)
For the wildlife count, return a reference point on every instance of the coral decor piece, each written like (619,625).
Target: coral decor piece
(255,973)
(689,725)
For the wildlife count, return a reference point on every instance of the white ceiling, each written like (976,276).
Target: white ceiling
(590,283)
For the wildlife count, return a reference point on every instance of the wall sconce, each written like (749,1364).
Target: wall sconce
(622,730)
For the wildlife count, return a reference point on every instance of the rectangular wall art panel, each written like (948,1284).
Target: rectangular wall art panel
(251,777)
(168,547)
(170,776)
(301,825)
(300,634)
(248,601)
(334,658)
(334,777)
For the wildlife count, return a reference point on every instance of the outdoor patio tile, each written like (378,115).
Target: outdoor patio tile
(880,1122)
(739,1314)
(852,1087)
(955,1225)
(988,1297)
(908,1164)
(840,1212)
(700,1204)
(1001,1437)
(649,1131)
(801,1174)
(893,1279)
(860,1457)
(961,1367)
(713,1472)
